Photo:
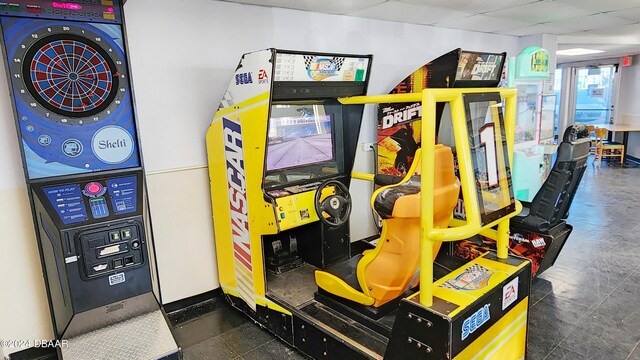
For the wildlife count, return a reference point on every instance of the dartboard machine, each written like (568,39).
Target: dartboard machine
(69,80)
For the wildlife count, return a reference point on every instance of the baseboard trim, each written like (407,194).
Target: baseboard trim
(186,303)
(633,158)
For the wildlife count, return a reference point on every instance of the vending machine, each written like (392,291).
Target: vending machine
(69,79)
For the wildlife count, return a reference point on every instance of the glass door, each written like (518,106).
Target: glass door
(594,95)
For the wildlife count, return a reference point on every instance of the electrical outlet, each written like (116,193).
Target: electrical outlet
(367,146)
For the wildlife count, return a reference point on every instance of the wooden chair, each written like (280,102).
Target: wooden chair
(604,148)
(591,129)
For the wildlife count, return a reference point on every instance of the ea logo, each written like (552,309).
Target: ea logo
(335,203)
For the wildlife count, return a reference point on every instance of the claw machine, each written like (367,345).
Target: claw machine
(534,121)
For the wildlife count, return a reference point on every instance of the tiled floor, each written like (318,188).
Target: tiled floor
(585,307)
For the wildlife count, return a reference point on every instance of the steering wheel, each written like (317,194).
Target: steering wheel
(337,205)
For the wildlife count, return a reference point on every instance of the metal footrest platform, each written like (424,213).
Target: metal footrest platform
(144,337)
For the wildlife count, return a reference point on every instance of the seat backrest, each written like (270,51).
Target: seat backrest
(551,203)
(385,272)
(600,133)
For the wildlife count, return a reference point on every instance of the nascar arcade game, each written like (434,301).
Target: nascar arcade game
(281,149)
(68,74)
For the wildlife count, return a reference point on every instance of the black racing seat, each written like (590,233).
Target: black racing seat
(551,204)
(386,199)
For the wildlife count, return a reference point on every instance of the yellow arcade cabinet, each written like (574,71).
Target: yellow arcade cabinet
(281,149)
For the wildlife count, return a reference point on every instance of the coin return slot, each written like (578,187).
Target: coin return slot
(100,267)
(128,260)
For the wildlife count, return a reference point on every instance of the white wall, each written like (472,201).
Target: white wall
(182,56)
(628,104)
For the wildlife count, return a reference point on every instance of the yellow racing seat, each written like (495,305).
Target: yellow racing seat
(382,274)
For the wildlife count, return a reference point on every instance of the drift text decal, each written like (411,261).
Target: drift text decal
(238,208)
(392,114)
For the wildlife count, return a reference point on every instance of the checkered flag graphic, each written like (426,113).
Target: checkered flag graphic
(470,278)
(227,100)
(338,61)
(307,61)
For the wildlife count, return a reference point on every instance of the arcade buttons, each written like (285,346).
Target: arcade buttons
(94,189)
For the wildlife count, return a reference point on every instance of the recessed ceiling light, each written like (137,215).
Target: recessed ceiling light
(578,51)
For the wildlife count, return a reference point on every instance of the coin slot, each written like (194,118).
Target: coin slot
(100,267)
(110,250)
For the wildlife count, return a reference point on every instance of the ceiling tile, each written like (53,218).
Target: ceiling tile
(407,13)
(601,5)
(536,29)
(540,12)
(591,22)
(622,30)
(472,6)
(632,14)
(324,6)
(482,23)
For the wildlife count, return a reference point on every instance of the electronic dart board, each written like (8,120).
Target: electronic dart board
(72,95)
(68,75)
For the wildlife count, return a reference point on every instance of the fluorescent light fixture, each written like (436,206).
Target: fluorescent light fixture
(578,51)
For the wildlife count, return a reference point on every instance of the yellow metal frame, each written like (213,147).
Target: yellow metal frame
(459,229)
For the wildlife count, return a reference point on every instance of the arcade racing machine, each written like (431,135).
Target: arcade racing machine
(73,104)
(281,149)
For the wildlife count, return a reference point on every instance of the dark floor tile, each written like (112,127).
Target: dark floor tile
(246,337)
(274,350)
(588,287)
(635,354)
(620,312)
(228,318)
(195,331)
(539,289)
(553,307)
(535,352)
(594,339)
(208,326)
(548,326)
(560,353)
(211,349)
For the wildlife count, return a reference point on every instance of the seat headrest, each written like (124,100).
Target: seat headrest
(574,151)
(575,132)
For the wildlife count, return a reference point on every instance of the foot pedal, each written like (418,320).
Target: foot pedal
(144,337)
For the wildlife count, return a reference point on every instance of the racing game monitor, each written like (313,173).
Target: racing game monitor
(299,135)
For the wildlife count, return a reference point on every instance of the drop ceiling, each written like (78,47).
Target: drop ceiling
(609,25)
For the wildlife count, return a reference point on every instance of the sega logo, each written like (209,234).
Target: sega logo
(475,321)
(244,78)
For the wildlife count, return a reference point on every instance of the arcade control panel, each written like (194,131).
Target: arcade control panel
(99,220)
(104,198)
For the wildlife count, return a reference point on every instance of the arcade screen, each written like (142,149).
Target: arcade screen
(299,135)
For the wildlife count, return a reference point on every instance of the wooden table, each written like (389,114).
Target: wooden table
(624,129)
